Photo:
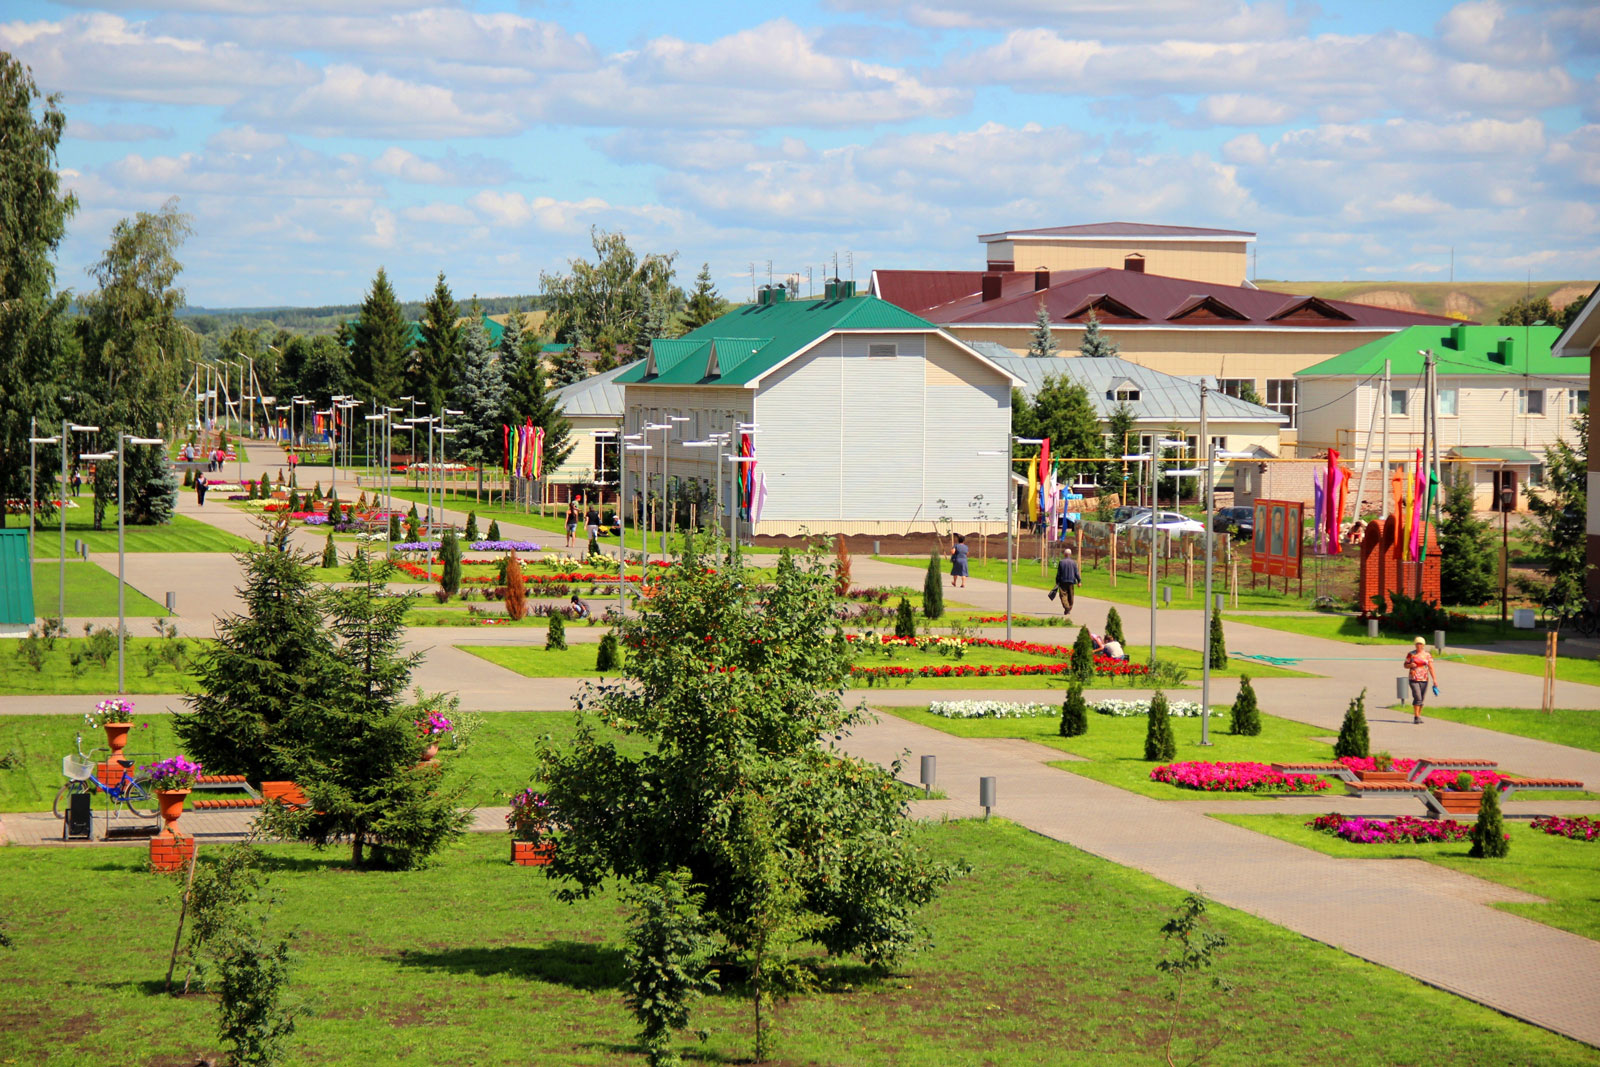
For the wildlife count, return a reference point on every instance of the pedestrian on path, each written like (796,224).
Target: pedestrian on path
(958,562)
(1068,578)
(592,522)
(572,522)
(200,489)
(1419,662)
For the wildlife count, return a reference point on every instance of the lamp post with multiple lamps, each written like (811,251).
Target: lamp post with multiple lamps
(644,484)
(34,441)
(1012,441)
(445,413)
(666,484)
(67,428)
(123,440)
(604,436)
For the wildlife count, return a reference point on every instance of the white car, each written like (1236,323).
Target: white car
(1170,521)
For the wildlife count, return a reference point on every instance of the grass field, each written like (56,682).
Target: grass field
(183,534)
(1578,727)
(1348,628)
(1041,955)
(91,592)
(1568,668)
(18,678)
(1563,871)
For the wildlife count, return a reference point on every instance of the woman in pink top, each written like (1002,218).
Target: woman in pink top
(1419,664)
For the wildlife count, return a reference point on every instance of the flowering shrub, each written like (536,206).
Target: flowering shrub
(1235,778)
(476,546)
(1436,780)
(988,709)
(1123,709)
(1579,827)
(434,725)
(529,816)
(117,709)
(1407,829)
(174,773)
(984,670)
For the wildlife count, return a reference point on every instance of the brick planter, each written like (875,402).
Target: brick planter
(287,792)
(1457,802)
(531,854)
(170,852)
(1381,776)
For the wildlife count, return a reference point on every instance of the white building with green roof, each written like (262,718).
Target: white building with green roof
(1503,399)
(870,419)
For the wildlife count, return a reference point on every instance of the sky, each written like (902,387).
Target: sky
(313,141)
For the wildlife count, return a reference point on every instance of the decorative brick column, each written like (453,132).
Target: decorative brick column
(171,852)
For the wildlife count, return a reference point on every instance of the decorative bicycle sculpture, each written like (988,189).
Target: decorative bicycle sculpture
(132,792)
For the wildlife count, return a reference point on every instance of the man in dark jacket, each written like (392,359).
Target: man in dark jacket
(1067,579)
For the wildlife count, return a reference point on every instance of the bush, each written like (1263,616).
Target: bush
(1083,656)
(394,527)
(1074,712)
(188,479)
(933,589)
(841,566)
(450,558)
(556,639)
(1159,743)
(472,527)
(1489,839)
(606,658)
(1114,627)
(668,959)
(516,590)
(1219,647)
(1246,716)
(252,1019)
(330,555)
(1353,739)
(1411,614)
(905,623)
(494,530)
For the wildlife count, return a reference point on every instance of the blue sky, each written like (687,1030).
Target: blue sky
(314,141)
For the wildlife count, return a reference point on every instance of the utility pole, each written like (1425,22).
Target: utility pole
(1205,629)
(1383,464)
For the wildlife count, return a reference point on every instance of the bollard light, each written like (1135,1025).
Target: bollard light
(1438,640)
(1402,692)
(986,794)
(172,603)
(1372,627)
(1166,596)
(930,774)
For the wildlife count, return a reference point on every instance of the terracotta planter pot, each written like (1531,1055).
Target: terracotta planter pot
(117,738)
(1457,802)
(1381,776)
(531,854)
(171,802)
(430,751)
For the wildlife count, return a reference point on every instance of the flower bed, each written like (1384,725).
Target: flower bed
(989,709)
(1436,780)
(476,546)
(1235,778)
(1123,709)
(1579,827)
(1407,829)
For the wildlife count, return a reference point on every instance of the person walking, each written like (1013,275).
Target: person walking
(1068,577)
(200,489)
(572,522)
(592,523)
(1419,664)
(958,562)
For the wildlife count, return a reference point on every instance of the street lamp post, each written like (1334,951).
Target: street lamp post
(622,536)
(61,578)
(123,440)
(33,476)
(666,485)
(708,443)
(447,412)
(644,483)
(744,429)
(665,428)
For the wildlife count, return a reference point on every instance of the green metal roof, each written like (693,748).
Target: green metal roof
(1458,350)
(751,340)
(1503,455)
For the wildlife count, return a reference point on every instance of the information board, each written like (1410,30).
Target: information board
(1275,548)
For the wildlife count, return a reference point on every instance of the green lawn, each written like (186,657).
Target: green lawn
(1349,628)
(1568,668)
(91,592)
(18,678)
(183,534)
(475,961)
(1578,727)
(1563,871)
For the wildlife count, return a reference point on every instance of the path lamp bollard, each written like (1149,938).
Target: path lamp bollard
(986,795)
(172,603)
(1372,627)
(1438,640)
(930,774)
(1402,691)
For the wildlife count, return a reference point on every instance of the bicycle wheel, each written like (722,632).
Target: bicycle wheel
(59,807)
(136,797)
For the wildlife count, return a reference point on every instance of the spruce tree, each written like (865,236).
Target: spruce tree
(1114,627)
(1096,344)
(1122,433)
(335,513)
(1489,832)
(933,589)
(436,361)
(530,394)
(1042,342)
(905,623)
(330,555)
(394,526)
(472,527)
(294,501)
(567,366)
(556,637)
(704,304)
(1353,740)
(1467,560)
(380,341)
(1559,512)
(606,658)
(1083,656)
(1074,711)
(1245,718)
(494,530)
(478,391)
(1159,743)
(450,560)
(1219,646)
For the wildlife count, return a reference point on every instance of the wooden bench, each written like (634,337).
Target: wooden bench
(1336,770)
(1507,786)
(1427,765)
(224,781)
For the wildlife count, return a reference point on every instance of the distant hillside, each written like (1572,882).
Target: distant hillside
(1475,301)
(313,320)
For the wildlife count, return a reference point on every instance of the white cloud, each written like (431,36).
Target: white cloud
(353,102)
(82,130)
(245,139)
(1211,20)
(1485,30)
(396,162)
(440,214)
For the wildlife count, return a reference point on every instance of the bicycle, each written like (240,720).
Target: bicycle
(132,791)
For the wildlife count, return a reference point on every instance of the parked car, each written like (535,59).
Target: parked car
(1240,522)
(1126,514)
(1170,521)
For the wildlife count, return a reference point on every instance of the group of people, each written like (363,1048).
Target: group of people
(588,516)
(214,458)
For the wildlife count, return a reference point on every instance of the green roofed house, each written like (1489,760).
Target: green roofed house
(1503,399)
(869,419)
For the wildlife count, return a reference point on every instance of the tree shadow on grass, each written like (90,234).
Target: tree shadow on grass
(574,964)
(690,1054)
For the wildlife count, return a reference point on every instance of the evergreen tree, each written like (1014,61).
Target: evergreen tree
(933,589)
(479,393)
(704,304)
(394,526)
(606,658)
(1114,626)
(1467,561)
(1219,646)
(1096,344)
(1074,711)
(567,365)
(1489,832)
(1083,656)
(1159,743)
(1353,739)
(1245,716)
(433,365)
(556,636)
(294,501)
(1042,342)
(379,343)
(494,530)
(516,590)
(450,562)
(1559,516)
(655,326)
(330,554)
(528,394)
(1247,393)
(472,527)
(1122,439)
(905,623)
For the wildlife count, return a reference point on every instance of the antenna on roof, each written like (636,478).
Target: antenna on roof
(811,290)
(769,274)
(836,264)
(850,261)
(752,281)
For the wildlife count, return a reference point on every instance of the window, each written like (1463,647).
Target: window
(882,350)
(1577,400)
(1448,399)
(605,459)
(1282,397)
(1530,401)
(1235,387)
(1218,444)
(1398,399)
(1125,395)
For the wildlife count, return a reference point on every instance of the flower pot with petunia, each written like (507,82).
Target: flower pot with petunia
(115,716)
(171,780)
(529,822)
(1382,770)
(431,729)
(1463,799)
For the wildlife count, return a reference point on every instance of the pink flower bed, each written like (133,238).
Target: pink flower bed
(1235,778)
(1407,829)
(1580,828)
(1436,780)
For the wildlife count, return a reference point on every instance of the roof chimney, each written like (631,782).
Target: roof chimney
(1041,279)
(1458,338)
(991,287)
(1502,351)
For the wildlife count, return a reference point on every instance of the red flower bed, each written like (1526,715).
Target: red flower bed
(1436,780)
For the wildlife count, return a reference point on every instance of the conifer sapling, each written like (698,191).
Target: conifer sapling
(1245,719)
(1074,711)
(1159,744)
(933,589)
(1489,839)
(1353,740)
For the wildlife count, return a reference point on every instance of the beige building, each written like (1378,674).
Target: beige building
(1220,256)
(1581,340)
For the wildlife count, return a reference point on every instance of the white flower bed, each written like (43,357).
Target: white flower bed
(989,709)
(1183,709)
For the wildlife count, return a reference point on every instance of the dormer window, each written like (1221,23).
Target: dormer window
(1123,391)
